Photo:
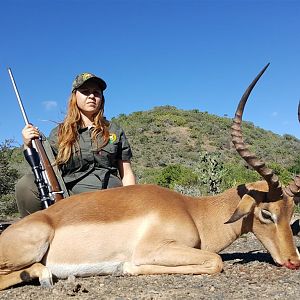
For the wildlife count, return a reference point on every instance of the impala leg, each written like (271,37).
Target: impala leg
(22,246)
(37,270)
(173,258)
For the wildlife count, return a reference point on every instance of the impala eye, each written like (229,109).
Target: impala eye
(266,216)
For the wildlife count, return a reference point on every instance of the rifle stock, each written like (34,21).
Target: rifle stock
(53,183)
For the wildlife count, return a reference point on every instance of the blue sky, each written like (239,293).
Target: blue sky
(185,53)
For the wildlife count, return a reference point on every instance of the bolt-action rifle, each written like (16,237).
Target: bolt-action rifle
(49,187)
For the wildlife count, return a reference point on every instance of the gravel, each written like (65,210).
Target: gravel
(249,273)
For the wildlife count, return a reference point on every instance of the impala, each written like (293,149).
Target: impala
(147,229)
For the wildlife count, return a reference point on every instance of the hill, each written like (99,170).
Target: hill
(166,135)
(187,150)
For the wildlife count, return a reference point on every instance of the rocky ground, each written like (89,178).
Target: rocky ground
(249,273)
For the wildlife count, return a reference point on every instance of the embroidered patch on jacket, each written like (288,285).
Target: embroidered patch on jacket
(112,138)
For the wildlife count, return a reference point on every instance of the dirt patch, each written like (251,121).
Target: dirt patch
(249,273)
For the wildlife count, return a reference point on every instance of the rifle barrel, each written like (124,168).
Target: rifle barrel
(18,96)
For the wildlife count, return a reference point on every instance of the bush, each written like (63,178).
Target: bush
(176,174)
(210,171)
(8,205)
(236,174)
(284,175)
(192,190)
(8,174)
(295,169)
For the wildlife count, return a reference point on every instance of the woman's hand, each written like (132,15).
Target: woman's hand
(29,133)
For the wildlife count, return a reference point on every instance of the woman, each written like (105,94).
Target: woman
(91,152)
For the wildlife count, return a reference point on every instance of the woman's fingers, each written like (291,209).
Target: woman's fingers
(29,133)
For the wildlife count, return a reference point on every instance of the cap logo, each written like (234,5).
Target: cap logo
(86,76)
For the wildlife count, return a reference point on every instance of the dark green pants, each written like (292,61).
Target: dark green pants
(27,194)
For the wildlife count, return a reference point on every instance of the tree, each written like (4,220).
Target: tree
(210,171)
(8,174)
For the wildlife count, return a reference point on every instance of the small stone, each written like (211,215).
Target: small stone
(71,279)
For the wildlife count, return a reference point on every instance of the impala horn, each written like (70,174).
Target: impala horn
(299,111)
(275,189)
(293,189)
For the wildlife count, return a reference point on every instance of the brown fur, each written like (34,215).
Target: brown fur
(148,229)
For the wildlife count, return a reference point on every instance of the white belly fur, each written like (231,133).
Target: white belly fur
(83,270)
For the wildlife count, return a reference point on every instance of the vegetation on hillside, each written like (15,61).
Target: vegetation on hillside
(8,178)
(167,136)
(186,150)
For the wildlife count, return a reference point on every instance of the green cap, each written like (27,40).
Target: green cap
(82,78)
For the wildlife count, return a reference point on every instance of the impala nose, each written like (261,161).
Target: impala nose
(292,265)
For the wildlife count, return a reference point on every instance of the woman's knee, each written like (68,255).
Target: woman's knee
(26,182)
(27,196)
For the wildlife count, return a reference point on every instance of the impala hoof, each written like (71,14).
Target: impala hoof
(46,279)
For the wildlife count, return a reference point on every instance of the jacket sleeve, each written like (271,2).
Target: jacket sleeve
(125,152)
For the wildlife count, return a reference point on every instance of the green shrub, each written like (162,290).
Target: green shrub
(236,174)
(8,205)
(284,175)
(176,174)
(210,171)
(8,174)
(295,168)
(192,190)
(171,119)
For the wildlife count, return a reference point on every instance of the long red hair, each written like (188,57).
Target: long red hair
(68,130)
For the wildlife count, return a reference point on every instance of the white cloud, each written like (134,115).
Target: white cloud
(274,114)
(49,105)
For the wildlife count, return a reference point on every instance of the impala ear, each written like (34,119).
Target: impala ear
(245,206)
